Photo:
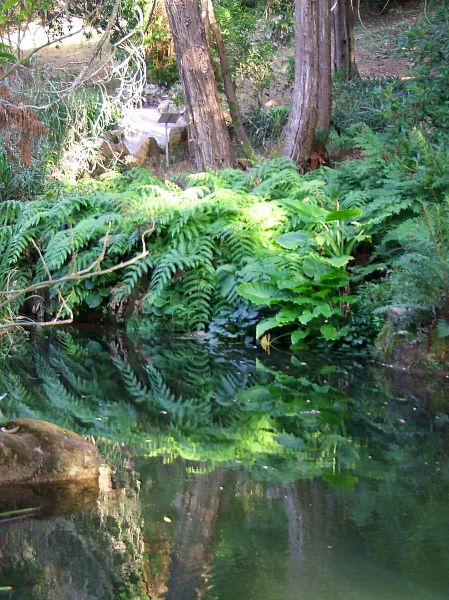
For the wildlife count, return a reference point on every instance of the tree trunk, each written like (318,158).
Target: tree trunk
(208,135)
(312,66)
(344,51)
(325,79)
(229,86)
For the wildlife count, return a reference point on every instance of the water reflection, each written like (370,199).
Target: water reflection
(233,476)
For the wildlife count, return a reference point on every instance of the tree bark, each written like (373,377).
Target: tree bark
(312,69)
(344,48)
(229,86)
(208,135)
(325,79)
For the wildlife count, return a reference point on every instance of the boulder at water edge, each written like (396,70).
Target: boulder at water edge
(37,451)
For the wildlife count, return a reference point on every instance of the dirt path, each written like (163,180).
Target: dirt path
(378,37)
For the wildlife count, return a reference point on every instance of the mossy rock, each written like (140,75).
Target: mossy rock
(37,451)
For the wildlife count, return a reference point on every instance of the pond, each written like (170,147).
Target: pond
(229,474)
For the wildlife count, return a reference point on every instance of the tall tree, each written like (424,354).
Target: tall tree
(312,92)
(228,83)
(208,135)
(343,29)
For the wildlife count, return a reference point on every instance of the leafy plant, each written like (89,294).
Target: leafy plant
(420,274)
(310,283)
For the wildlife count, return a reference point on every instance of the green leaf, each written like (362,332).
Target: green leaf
(316,267)
(339,261)
(306,316)
(329,332)
(94,301)
(308,213)
(291,284)
(265,326)
(298,336)
(7,4)
(442,328)
(259,292)
(323,309)
(288,314)
(293,239)
(342,215)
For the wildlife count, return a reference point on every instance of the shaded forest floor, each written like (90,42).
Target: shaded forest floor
(377,47)
(378,38)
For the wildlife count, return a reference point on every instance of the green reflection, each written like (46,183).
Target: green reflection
(234,475)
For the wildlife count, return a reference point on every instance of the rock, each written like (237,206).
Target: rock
(151,89)
(110,150)
(167,106)
(37,451)
(145,150)
(54,498)
(116,135)
(273,102)
(177,138)
(143,123)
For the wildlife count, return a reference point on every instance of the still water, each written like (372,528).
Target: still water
(229,475)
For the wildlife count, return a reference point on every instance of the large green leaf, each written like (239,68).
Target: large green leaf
(342,215)
(329,332)
(295,239)
(298,336)
(316,267)
(291,284)
(265,326)
(308,213)
(323,309)
(339,261)
(289,441)
(306,317)
(288,314)
(259,292)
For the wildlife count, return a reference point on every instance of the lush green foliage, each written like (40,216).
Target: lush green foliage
(264,235)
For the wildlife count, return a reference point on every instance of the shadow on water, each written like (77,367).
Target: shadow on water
(229,475)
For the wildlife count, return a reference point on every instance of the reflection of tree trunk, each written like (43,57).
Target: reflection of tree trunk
(293,511)
(293,508)
(195,537)
(311,513)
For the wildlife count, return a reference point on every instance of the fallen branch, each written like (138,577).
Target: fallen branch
(86,273)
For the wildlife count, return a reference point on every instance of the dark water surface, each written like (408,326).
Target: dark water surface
(229,475)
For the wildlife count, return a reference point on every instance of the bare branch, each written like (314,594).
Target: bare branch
(81,275)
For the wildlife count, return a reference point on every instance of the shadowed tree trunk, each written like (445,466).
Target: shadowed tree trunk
(208,135)
(229,86)
(325,79)
(311,97)
(343,28)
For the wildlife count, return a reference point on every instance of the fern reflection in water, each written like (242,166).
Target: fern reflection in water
(182,399)
(239,442)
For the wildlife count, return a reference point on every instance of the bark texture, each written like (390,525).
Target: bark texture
(343,29)
(228,83)
(325,78)
(311,97)
(209,138)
